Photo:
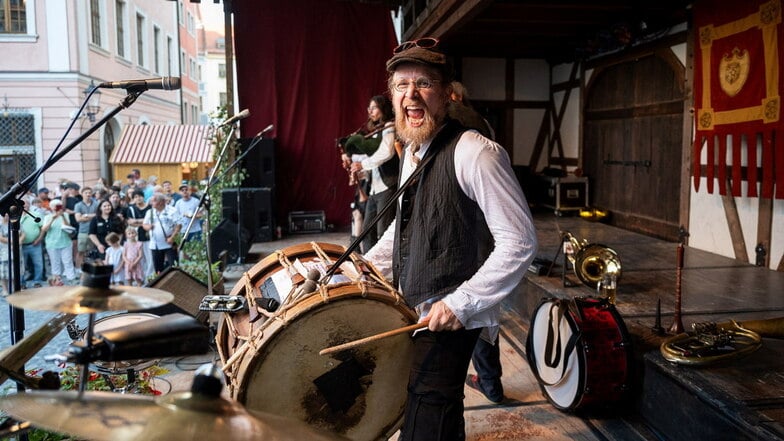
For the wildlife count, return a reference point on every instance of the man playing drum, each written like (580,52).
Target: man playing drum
(461,241)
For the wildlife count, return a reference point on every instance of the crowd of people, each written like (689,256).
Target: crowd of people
(134,226)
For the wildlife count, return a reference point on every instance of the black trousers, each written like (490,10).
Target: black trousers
(487,362)
(162,259)
(373,206)
(434,407)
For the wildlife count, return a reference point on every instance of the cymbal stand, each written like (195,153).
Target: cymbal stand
(11,204)
(85,367)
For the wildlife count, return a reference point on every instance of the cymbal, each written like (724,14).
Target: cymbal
(185,415)
(83,299)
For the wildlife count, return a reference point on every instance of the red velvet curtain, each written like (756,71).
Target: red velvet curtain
(310,67)
(738,87)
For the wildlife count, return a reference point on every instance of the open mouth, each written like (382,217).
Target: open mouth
(415,116)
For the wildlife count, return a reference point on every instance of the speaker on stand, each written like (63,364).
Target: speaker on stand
(250,209)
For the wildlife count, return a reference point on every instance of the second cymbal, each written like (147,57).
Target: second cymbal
(83,299)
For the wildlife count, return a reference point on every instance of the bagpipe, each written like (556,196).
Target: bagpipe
(362,141)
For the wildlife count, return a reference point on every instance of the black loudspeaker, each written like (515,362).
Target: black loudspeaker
(259,162)
(226,237)
(252,210)
(188,293)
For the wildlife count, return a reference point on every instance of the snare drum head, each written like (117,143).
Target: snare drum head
(562,388)
(358,393)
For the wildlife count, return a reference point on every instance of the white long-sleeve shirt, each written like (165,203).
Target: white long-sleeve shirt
(385,152)
(485,175)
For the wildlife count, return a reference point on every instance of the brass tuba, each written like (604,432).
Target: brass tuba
(592,260)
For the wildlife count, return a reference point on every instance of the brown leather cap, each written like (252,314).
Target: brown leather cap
(426,57)
(417,55)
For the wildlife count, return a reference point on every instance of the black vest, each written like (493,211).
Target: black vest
(441,237)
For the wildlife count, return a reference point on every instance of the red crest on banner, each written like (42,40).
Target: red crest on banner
(737,96)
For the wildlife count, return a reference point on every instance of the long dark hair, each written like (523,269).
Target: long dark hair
(385,105)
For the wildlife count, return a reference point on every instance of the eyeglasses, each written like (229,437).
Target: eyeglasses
(419,83)
(372,108)
(424,43)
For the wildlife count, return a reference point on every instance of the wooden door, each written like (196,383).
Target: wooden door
(632,145)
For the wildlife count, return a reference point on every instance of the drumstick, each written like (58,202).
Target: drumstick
(372,338)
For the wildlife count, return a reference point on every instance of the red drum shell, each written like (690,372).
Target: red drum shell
(598,363)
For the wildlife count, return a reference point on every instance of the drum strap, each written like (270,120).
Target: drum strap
(553,355)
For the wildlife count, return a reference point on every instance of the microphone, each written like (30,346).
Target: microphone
(242,115)
(165,83)
(266,129)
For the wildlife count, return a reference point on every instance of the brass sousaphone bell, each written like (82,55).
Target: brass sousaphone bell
(592,260)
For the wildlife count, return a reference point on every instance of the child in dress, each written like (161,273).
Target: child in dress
(132,257)
(114,257)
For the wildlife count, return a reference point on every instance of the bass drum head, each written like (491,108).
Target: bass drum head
(562,388)
(358,393)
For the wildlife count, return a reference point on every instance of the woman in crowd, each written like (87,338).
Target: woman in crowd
(57,228)
(106,221)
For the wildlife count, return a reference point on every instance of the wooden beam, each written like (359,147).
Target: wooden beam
(733,223)
(447,16)
(764,226)
(541,138)
(558,117)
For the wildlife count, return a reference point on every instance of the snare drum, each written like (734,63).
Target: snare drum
(118,321)
(580,352)
(272,361)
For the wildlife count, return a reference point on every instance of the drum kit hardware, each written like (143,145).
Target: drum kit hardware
(200,413)
(90,297)
(272,326)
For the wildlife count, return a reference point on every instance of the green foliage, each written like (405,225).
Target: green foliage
(70,378)
(196,260)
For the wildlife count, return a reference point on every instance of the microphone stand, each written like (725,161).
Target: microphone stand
(205,203)
(11,204)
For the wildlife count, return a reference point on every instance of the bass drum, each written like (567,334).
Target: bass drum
(271,359)
(579,350)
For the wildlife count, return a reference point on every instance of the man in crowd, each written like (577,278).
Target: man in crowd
(32,247)
(84,212)
(187,207)
(163,223)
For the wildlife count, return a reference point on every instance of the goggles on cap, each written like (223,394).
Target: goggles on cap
(424,43)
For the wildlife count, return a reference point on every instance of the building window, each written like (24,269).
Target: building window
(222,70)
(17,147)
(193,70)
(13,17)
(140,39)
(95,22)
(120,13)
(220,43)
(223,99)
(182,63)
(156,44)
(169,46)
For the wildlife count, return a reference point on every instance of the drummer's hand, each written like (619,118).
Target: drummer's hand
(442,318)
(356,167)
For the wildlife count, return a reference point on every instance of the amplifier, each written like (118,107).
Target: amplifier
(306,222)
